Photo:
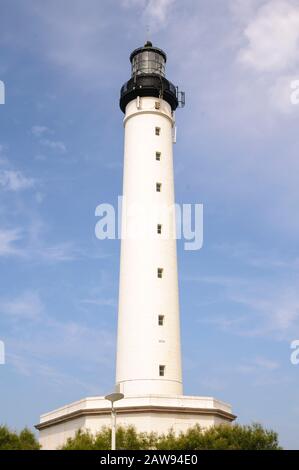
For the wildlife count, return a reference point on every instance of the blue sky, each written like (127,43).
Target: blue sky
(61,151)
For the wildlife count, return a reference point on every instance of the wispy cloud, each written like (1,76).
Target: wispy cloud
(60,252)
(8,239)
(51,346)
(26,306)
(100,302)
(266,305)
(11,180)
(273,37)
(159,9)
(262,259)
(38,130)
(54,145)
(269,309)
(40,133)
(28,365)
(154,12)
(29,244)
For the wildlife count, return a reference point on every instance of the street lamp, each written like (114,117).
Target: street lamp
(112,398)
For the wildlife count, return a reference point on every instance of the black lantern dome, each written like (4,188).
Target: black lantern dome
(148,77)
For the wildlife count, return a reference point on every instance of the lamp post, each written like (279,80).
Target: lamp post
(113,397)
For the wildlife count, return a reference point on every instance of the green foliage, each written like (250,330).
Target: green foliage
(221,437)
(126,439)
(83,440)
(11,440)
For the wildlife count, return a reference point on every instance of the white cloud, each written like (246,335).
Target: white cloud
(244,10)
(276,309)
(7,242)
(52,347)
(56,253)
(34,247)
(38,131)
(266,363)
(39,197)
(27,306)
(133,3)
(12,180)
(265,308)
(155,12)
(100,302)
(273,37)
(27,364)
(257,366)
(158,10)
(251,256)
(54,145)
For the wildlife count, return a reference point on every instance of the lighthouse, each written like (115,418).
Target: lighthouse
(148,344)
(148,355)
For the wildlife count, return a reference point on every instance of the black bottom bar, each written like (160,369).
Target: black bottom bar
(131,459)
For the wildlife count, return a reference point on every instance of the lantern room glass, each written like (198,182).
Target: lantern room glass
(148,62)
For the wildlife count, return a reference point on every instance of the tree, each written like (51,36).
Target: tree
(221,437)
(11,440)
(28,440)
(127,438)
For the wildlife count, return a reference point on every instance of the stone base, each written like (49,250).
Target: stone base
(150,413)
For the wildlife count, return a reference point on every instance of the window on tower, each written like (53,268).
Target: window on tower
(158,187)
(161,320)
(161,371)
(160,273)
(159,229)
(157,130)
(158,156)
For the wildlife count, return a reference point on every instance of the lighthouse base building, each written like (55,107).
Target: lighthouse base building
(148,359)
(148,413)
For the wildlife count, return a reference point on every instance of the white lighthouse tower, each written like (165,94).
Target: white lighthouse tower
(148,364)
(148,346)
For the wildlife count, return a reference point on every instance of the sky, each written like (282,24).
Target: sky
(61,154)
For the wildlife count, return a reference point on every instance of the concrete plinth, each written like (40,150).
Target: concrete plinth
(150,413)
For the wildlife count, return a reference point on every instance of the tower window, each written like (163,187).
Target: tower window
(157,130)
(161,320)
(158,187)
(159,229)
(161,371)
(160,273)
(158,156)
